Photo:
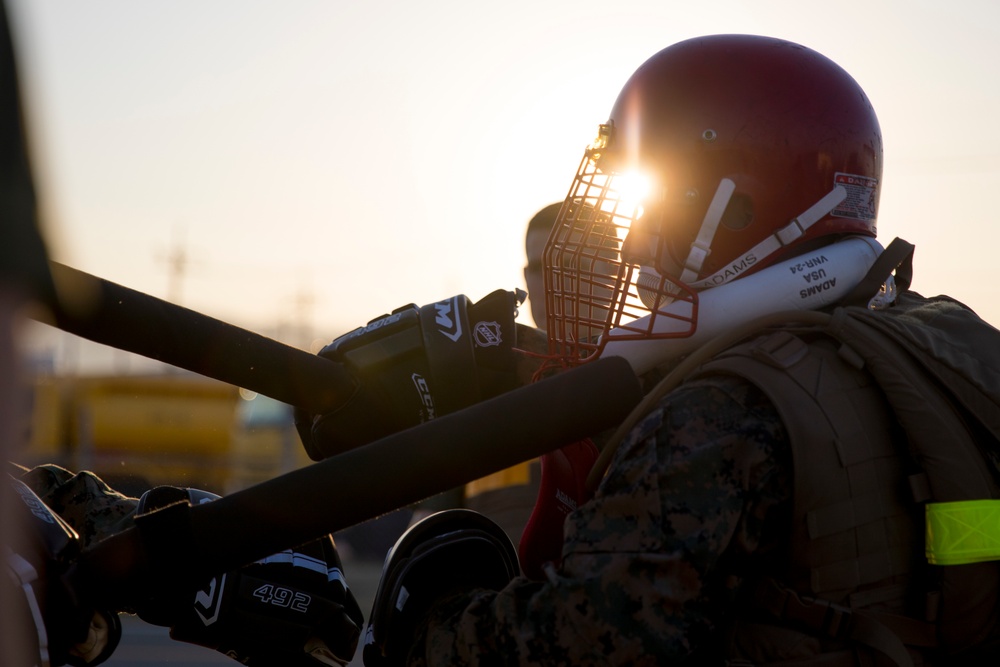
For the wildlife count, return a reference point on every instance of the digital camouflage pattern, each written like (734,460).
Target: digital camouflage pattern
(697,494)
(90,506)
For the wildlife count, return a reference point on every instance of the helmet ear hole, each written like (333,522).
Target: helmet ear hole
(739,212)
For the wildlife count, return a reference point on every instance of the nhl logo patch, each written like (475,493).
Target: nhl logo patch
(487,334)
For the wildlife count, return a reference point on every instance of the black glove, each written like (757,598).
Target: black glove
(447,553)
(415,364)
(292,609)
(64,628)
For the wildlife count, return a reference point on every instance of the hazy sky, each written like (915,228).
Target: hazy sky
(326,162)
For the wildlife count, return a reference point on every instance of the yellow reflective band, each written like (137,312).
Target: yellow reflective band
(965,531)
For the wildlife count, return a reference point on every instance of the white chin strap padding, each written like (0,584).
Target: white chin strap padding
(776,241)
(772,289)
(702,245)
(648,281)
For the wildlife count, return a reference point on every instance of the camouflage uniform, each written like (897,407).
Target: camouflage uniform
(698,493)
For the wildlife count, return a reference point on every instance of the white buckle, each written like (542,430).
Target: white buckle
(789,232)
(696,258)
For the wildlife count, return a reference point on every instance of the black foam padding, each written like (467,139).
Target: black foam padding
(108,313)
(374,479)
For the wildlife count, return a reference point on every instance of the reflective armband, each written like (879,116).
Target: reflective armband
(965,531)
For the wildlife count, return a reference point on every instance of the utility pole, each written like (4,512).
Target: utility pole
(302,304)
(177,261)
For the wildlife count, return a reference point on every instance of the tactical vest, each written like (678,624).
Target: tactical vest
(885,410)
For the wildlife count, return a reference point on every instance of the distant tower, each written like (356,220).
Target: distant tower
(302,304)
(177,260)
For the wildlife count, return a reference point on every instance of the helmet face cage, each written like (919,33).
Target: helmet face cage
(756,147)
(591,260)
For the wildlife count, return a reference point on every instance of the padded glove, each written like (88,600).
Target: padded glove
(290,609)
(447,553)
(416,364)
(63,628)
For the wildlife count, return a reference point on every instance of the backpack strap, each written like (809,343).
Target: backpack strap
(940,441)
(898,258)
(851,526)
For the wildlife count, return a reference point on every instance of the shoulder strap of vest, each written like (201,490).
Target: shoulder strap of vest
(847,473)
(925,384)
(940,441)
(687,366)
(956,348)
(838,427)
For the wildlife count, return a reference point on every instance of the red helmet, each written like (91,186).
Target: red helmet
(754,149)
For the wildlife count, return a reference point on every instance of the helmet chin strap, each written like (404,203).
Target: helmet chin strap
(776,241)
(701,248)
(648,280)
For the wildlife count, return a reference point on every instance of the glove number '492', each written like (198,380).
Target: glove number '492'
(283,597)
(292,608)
